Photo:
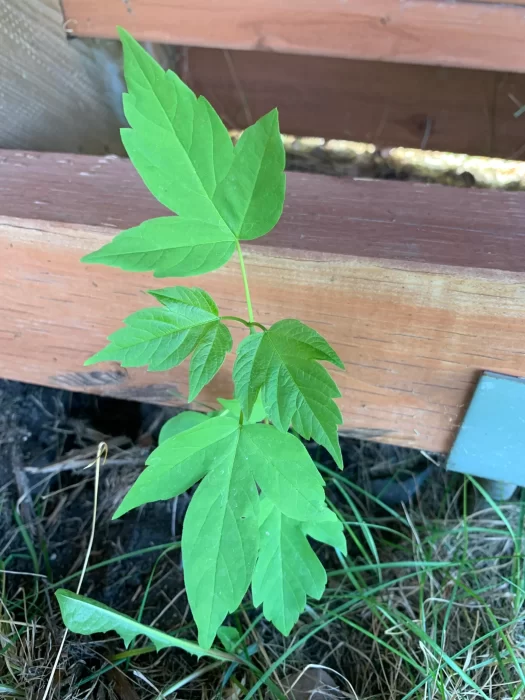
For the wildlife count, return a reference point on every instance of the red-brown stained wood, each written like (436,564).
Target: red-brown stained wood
(388,104)
(418,287)
(434,32)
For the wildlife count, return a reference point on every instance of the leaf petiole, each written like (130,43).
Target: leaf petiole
(248,324)
(245,282)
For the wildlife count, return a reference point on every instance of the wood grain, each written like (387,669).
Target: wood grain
(56,94)
(419,288)
(447,109)
(465,34)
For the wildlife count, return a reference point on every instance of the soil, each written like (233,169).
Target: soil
(40,427)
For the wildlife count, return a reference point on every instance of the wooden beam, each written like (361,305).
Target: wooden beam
(418,287)
(466,34)
(447,109)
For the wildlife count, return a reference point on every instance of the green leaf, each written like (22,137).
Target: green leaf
(208,357)
(181,461)
(287,569)
(83,615)
(283,365)
(184,154)
(251,196)
(162,338)
(233,406)
(229,637)
(178,144)
(220,538)
(179,423)
(327,529)
(220,533)
(171,246)
(174,298)
(284,471)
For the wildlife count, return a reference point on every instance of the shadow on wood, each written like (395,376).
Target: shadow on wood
(387,104)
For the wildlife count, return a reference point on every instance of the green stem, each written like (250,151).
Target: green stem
(248,324)
(245,281)
(259,325)
(236,318)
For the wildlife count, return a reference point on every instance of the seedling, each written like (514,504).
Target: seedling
(260,495)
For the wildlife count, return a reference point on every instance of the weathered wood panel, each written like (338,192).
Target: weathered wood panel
(419,287)
(447,109)
(65,95)
(468,34)
(56,94)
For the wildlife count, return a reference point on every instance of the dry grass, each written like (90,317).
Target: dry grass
(357,159)
(428,604)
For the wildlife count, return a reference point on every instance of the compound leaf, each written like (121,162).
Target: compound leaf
(287,569)
(83,615)
(284,471)
(282,364)
(179,423)
(162,338)
(220,534)
(170,246)
(180,461)
(220,539)
(185,156)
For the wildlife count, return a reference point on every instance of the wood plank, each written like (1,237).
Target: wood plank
(466,34)
(419,287)
(447,109)
(55,94)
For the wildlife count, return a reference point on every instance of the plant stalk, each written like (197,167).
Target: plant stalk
(248,324)
(246,287)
